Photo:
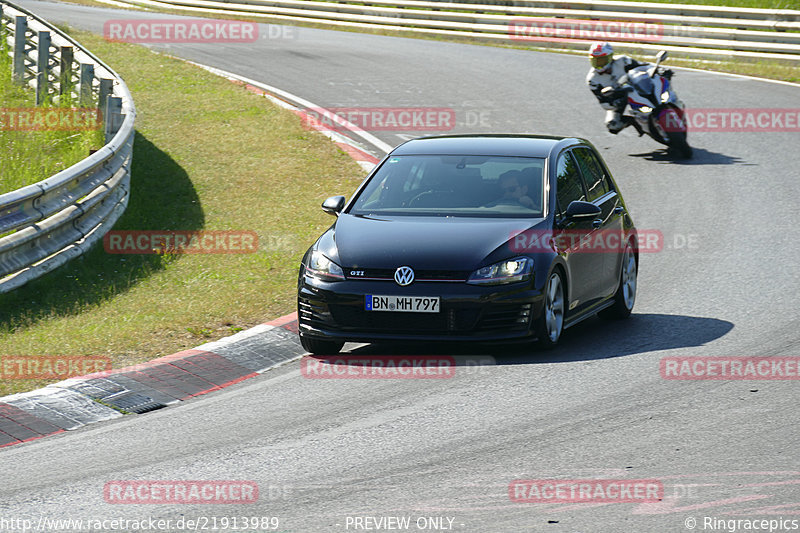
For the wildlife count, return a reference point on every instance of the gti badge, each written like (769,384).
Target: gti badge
(404,276)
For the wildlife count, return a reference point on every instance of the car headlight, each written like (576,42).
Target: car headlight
(323,268)
(665,97)
(508,271)
(645,109)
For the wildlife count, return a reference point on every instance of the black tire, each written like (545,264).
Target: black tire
(675,140)
(625,297)
(679,146)
(321,347)
(550,325)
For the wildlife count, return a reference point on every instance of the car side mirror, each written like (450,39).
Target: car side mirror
(579,209)
(333,205)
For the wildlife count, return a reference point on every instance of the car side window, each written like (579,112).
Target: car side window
(593,173)
(568,183)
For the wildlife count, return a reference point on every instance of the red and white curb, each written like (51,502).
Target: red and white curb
(76,402)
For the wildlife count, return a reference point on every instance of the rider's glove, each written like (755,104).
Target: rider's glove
(667,74)
(609,94)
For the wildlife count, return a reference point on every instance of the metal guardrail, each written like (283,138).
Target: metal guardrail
(694,30)
(44,225)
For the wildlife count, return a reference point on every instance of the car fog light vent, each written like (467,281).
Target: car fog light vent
(451,320)
(524,314)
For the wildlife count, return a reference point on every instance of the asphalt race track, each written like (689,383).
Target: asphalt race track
(326,452)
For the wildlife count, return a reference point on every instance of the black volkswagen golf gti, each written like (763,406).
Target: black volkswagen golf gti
(471,237)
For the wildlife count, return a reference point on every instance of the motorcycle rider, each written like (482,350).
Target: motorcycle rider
(606,72)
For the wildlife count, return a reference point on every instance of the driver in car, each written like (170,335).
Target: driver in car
(513,192)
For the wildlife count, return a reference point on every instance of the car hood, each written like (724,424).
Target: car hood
(423,243)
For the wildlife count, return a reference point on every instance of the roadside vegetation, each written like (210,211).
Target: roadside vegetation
(772,69)
(208,154)
(30,156)
(760,4)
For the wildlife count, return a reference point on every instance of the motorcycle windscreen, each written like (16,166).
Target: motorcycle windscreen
(642,83)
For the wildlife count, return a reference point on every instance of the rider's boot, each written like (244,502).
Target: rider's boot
(630,121)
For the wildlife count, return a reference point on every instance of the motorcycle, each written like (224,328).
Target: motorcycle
(655,108)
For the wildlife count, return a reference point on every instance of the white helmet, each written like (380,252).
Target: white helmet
(601,55)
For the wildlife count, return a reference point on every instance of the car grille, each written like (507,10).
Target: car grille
(494,318)
(351,317)
(419,275)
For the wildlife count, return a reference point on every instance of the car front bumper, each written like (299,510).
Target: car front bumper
(336,311)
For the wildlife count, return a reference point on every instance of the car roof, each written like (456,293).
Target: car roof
(487,144)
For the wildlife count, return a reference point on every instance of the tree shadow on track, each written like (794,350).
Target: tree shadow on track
(701,157)
(162,197)
(590,340)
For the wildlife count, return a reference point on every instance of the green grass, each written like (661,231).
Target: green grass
(763,68)
(761,4)
(208,154)
(32,156)
(775,70)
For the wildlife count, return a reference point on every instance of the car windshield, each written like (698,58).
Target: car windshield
(454,185)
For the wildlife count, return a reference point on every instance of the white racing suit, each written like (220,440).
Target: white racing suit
(615,122)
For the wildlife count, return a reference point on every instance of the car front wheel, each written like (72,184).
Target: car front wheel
(550,324)
(625,296)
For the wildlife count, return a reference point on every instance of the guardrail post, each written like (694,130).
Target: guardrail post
(42,66)
(106,86)
(65,72)
(49,223)
(113,117)
(20,29)
(87,75)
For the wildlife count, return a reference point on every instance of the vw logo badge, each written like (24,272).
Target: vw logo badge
(404,276)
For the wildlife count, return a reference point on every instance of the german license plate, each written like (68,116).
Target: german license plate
(403,304)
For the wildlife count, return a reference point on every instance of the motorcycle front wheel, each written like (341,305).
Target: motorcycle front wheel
(670,126)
